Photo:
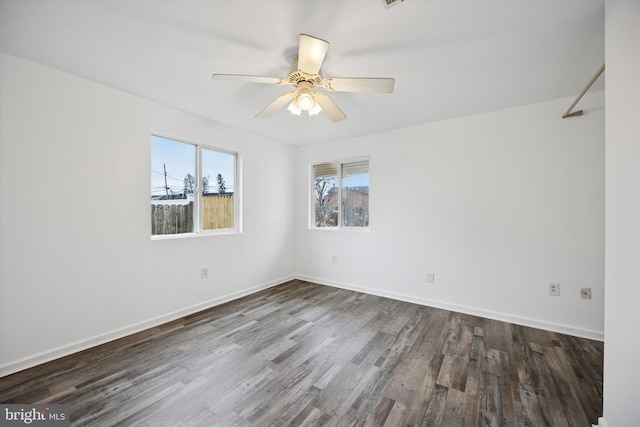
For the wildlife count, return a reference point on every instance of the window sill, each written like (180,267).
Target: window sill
(195,235)
(344,229)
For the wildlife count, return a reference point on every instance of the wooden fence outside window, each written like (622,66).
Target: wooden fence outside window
(217,213)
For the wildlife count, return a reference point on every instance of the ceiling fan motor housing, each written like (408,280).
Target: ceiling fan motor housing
(297,76)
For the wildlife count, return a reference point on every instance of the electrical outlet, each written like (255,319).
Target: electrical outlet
(554,289)
(431,278)
(204,273)
(334,259)
(585,293)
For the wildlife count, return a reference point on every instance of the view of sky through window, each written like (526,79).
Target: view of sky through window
(178,159)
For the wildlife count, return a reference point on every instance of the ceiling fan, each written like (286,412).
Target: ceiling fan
(304,76)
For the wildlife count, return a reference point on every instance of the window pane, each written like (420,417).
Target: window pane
(355,194)
(326,194)
(173,184)
(218,184)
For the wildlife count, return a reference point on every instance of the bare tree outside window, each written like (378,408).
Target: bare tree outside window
(222,188)
(189,184)
(205,185)
(326,211)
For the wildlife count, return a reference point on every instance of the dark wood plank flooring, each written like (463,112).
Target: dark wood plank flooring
(302,354)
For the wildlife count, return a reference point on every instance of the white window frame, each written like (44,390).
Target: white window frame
(197,202)
(312,195)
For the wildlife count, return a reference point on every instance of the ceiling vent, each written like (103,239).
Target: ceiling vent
(389,3)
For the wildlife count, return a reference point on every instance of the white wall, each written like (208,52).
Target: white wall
(622,314)
(77,264)
(496,205)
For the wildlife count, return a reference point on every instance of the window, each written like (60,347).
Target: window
(193,189)
(341,194)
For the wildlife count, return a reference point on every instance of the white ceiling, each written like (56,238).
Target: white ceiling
(449,58)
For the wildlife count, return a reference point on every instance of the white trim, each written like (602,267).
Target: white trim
(495,315)
(197,196)
(205,233)
(237,189)
(74,347)
(601,423)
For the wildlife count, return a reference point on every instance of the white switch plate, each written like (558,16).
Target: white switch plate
(431,278)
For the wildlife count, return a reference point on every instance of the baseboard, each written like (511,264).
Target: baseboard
(74,347)
(601,423)
(504,317)
(67,349)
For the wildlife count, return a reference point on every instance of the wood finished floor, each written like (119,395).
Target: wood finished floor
(302,354)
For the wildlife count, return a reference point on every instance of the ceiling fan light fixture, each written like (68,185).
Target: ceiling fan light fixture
(315,110)
(293,108)
(305,101)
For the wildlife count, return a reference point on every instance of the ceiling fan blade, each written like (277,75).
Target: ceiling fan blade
(359,84)
(280,102)
(250,79)
(329,107)
(311,53)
